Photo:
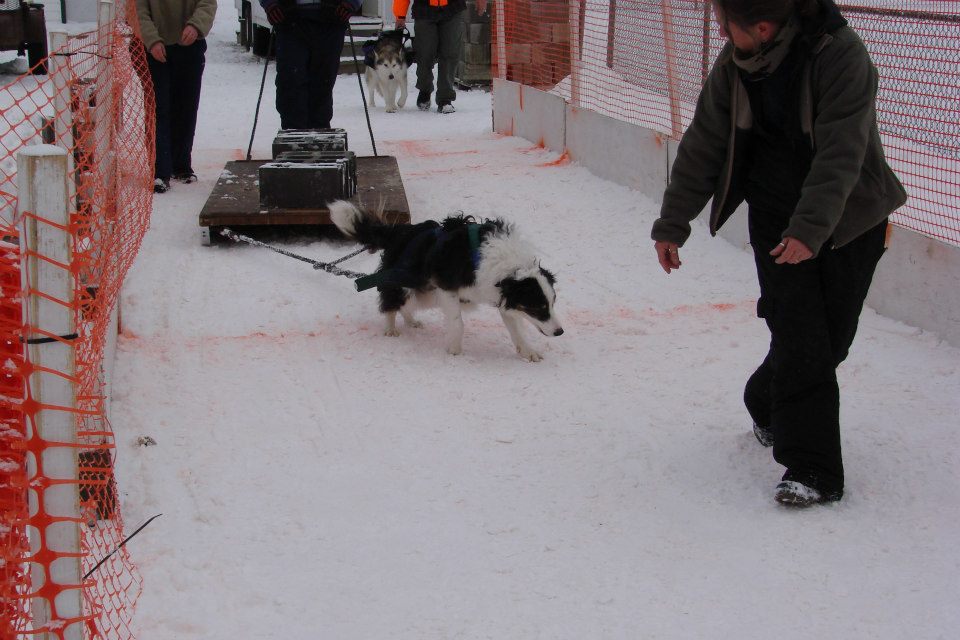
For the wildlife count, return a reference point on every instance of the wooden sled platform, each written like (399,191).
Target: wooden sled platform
(235,200)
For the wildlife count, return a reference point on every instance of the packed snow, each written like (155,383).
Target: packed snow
(321,480)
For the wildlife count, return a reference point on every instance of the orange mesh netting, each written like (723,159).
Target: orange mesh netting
(613,57)
(97,103)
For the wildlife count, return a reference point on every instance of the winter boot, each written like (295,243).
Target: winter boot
(423,101)
(793,493)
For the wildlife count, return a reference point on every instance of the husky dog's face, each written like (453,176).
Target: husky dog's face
(389,63)
(529,294)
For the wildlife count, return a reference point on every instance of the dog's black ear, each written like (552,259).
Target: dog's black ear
(506,285)
(547,274)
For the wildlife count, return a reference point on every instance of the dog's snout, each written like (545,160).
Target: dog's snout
(391,76)
(558,332)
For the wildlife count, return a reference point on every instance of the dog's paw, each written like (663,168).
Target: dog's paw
(454,349)
(391,109)
(392,333)
(529,354)
(416,324)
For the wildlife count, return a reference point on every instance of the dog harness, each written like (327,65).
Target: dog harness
(402,275)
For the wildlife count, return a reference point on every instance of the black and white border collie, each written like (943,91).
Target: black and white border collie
(432,264)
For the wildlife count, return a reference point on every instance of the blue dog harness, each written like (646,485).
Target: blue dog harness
(401,274)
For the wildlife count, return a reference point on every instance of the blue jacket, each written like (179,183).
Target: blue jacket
(317,10)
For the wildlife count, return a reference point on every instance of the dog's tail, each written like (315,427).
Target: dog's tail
(366,228)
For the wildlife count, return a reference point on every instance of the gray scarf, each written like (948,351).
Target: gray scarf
(760,65)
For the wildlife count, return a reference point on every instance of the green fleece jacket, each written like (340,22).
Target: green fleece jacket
(164,20)
(849,188)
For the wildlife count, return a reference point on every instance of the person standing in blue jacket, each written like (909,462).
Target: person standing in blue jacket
(309,39)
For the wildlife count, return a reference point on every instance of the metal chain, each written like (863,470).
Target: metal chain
(329,267)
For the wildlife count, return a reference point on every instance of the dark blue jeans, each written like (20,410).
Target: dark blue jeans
(308,60)
(176,84)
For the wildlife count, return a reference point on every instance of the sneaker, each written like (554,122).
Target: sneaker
(797,494)
(763,434)
(446,107)
(423,101)
(186,177)
(161,185)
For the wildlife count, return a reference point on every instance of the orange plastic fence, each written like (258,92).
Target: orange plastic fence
(96,102)
(612,56)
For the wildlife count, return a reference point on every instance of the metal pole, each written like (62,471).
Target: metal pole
(366,111)
(263,81)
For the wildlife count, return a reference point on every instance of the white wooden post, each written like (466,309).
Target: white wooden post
(105,158)
(670,51)
(501,40)
(43,187)
(59,69)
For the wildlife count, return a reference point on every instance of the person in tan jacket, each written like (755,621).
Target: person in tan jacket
(174,35)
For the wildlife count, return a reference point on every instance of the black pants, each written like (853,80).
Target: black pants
(812,310)
(308,60)
(176,84)
(439,39)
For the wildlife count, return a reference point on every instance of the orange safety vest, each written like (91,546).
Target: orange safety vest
(400,6)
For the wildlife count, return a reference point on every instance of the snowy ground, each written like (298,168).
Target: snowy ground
(320,480)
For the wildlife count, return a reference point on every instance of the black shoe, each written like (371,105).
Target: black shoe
(799,489)
(186,177)
(161,185)
(763,434)
(446,107)
(802,493)
(423,101)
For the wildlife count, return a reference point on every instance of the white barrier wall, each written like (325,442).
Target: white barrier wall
(527,113)
(915,283)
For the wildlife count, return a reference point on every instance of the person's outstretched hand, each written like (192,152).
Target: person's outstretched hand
(791,251)
(189,35)
(275,14)
(159,52)
(668,253)
(401,21)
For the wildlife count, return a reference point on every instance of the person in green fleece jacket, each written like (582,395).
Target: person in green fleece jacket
(786,121)
(174,32)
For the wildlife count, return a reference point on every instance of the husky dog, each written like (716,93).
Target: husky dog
(388,73)
(452,266)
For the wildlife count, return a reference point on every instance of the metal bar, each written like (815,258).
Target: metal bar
(611,32)
(705,58)
(931,16)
